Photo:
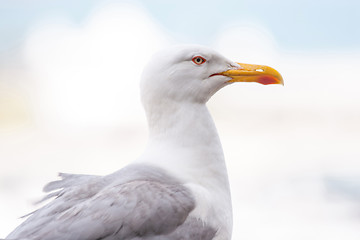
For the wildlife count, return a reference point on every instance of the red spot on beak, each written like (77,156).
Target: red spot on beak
(266,80)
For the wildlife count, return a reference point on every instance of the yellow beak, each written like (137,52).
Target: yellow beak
(254,73)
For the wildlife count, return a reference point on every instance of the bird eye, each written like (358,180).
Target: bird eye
(198,60)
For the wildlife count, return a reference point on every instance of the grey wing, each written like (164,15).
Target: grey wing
(69,191)
(68,181)
(142,204)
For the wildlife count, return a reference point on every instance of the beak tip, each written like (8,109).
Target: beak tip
(281,81)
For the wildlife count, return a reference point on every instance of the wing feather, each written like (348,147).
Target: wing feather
(136,202)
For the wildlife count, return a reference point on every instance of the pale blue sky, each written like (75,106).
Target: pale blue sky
(298,25)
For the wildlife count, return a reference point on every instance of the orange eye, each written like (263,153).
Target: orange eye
(198,60)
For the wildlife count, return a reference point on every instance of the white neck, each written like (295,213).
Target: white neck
(183,140)
(188,130)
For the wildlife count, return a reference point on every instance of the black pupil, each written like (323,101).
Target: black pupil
(198,60)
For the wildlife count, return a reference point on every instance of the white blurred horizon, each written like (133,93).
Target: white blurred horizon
(69,102)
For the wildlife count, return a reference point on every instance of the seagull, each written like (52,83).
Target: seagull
(178,188)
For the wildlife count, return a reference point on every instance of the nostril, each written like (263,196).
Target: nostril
(259,70)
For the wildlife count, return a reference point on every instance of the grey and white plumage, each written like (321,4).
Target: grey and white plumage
(136,202)
(178,188)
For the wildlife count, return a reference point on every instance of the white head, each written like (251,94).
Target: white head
(193,73)
(184,73)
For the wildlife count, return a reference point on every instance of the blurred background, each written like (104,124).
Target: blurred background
(69,102)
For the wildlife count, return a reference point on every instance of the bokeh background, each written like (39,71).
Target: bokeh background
(69,102)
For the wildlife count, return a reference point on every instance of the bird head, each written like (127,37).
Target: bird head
(194,73)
